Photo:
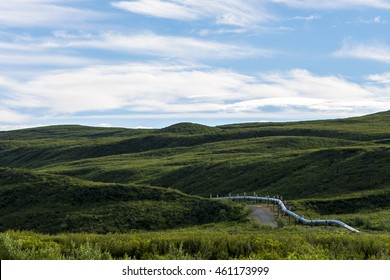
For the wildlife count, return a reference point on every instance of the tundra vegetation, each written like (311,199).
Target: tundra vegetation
(74,192)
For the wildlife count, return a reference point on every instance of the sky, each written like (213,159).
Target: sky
(153,63)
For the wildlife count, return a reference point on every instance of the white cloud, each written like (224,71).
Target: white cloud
(248,13)
(105,125)
(335,4)
(7,127)
(6,82)
(380,78)
(148,44)
(369,51)
(43,59)
(8,116)
(221,31)
(163,9)
(306,18)
(134,86)
(163,90)
(171,46)
(29,51)
(144,127)
(375,20)
(19,13)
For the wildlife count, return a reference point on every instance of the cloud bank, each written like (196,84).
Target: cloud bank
(152,90)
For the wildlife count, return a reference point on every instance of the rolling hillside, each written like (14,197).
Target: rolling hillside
(315,164)
(53,204)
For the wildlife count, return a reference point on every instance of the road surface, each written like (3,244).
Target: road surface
(263,215)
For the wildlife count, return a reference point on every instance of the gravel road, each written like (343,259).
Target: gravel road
(263,215)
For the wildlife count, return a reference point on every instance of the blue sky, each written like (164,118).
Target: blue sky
(152,63)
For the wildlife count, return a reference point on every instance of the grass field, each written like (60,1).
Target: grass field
(215,241)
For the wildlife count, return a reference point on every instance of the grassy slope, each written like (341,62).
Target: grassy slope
(319,161)
(52,204)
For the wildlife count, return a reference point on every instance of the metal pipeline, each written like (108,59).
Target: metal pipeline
(290,213)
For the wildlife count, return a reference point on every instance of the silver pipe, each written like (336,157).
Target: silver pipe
(290,213)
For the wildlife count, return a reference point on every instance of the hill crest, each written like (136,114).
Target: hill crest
(189,128)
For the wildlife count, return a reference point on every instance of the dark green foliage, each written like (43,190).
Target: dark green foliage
(321,173)
(52,204)
(342,205)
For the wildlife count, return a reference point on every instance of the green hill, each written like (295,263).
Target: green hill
(52,204)
(189,128)
(67,131)
(315,163)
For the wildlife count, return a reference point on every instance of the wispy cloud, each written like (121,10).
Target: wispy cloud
(370,51)
(375,20)
(162,9)
(333,4)
(249,13)
(149,44)
(306,18)
(172,46)
(163,90)
(33,58)
(25,50)
(43,13)
(383,78)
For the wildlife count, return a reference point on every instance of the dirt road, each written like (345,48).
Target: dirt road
(263,215)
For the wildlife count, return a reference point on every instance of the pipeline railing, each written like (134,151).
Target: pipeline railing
(284,209)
